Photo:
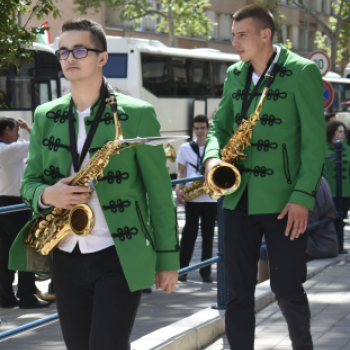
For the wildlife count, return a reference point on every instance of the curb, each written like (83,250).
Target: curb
(200,329)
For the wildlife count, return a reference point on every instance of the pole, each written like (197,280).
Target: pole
(221,269)
(306,26)
(339,224)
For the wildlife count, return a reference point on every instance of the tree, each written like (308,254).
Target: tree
(273,6)
(14,36)
(178,17)
(337,30)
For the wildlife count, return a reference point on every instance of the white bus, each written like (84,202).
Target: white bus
(37,82)
(179,83)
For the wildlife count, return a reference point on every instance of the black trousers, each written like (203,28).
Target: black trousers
(10,225)
(95,306)
(207,212)
(243,235)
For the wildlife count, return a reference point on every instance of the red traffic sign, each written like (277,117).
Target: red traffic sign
(322,61)
(328,94)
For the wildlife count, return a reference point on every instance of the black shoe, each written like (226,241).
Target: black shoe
(207,279)
(36,305)
(8,304)
(147,290)
(182,278)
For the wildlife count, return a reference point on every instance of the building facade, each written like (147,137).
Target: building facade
(296,26)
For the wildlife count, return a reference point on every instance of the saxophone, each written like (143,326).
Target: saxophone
(225,178)
(47,231)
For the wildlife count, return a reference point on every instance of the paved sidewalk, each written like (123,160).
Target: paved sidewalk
(328,292)
(157,309)
(329,297)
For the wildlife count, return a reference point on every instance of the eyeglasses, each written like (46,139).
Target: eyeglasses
(77,53)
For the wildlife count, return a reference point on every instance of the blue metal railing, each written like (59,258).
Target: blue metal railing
(219,259)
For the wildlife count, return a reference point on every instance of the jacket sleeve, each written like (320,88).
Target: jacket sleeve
(221,128)
(309,102)
(156,178)
(33,179)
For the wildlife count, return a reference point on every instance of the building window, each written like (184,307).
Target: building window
(225,27)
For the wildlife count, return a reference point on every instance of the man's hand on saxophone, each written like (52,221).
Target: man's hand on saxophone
(61,195)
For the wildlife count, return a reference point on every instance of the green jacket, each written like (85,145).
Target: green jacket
(330,169)
(284,163)
(135,195)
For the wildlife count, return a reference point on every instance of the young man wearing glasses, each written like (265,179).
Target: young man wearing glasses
(99,278)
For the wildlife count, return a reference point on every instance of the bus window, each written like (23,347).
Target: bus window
(156,74)
(46,64)
(116,66)
(41,93)
(201,84)
(54,88)
(179,84)
(220,69)
(16,91)
(341,94)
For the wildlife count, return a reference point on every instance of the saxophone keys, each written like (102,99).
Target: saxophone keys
(43,224)
(58,211)
(49,217)
(85,180)
(38,233)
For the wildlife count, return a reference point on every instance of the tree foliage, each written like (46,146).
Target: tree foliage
(273,7)
(177,17)
(337,30)
(344,33)
(14,37)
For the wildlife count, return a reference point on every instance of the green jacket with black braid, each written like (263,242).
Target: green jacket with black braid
(135,194)
(284,163)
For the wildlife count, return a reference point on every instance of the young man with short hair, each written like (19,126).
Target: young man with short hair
(99,278)
(280,175)
(201,207)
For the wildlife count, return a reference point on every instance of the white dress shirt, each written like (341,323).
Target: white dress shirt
(186,157)
(100,237)
(12,164)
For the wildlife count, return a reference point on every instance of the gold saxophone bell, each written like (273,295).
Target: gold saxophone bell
(170,152)
(224,179)
(81,220)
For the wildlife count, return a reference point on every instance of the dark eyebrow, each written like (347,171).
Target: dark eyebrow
(74,47)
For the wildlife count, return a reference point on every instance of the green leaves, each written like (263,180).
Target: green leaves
(177,17)
(13,36)
(337,31)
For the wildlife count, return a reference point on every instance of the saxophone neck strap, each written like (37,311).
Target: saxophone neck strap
(77,159)
(270,71)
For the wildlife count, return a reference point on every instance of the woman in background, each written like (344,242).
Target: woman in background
(336,130)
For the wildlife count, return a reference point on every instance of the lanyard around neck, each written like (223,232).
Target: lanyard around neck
(76,158)
(247,102)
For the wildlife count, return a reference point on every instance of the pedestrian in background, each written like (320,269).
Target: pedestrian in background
(201,207)
(13,155)
(336,130)
(322,240)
